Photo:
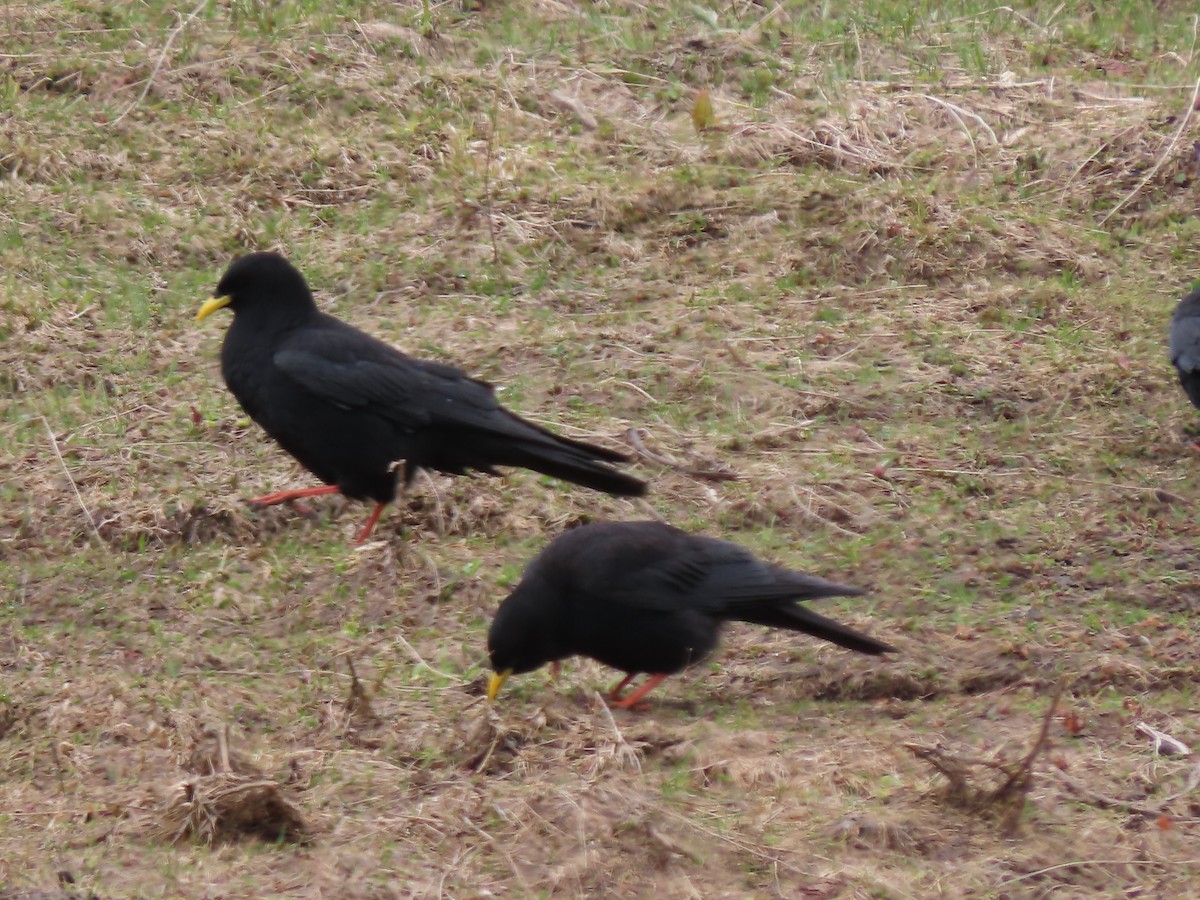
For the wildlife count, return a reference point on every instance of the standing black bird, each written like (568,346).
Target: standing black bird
(647,597)
(357,413)
(1185,344)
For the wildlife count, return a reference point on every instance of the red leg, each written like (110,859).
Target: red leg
(288,496)
(555,668)
(615,693)
(653,682)
(370,526)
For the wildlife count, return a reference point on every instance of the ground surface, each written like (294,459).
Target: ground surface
(909,281)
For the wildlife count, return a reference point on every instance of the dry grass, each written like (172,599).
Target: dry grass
(897,319)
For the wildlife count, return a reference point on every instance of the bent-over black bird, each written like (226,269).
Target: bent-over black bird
(359,414)
(1185,344)
(647,597)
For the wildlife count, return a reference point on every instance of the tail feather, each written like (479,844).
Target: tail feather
(591,450)
(795,617)
(544,451)
(571,465)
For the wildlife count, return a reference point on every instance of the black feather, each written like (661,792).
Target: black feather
(1185,345)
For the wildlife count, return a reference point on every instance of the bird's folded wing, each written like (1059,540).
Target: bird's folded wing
(718,585)
(409,392)
(746,587)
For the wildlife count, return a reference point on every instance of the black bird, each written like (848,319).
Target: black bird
(359,414)
(647,597)
(1185,344)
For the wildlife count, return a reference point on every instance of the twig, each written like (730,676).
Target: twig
(670,844)
(1135,488)
(1025,768)
(648,508)
(1016,15)
(634,436)
(86,512)
(634,387)
(1037,873)
(429,563)
(183,23)
(951,768)
(1164,744)
(1183,123)
(959,112)
(1192,783)
(1105,802)
(1011,791)
(442,525)
(421,662)
(223,749)
(954,473)
(813,514)
(487,171)
(357,702)
(263,96)
(482,764)
(575,108)
(834,397)
(623,745)
(752,848)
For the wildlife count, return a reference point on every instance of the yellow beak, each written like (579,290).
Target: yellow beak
(211,306)
(497,682)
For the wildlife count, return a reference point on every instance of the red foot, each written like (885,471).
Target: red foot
(370,526)
(631,702)
(615,693)
(292,496)
(289,496)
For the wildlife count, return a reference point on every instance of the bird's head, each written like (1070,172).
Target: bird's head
(261,282)
(522,636)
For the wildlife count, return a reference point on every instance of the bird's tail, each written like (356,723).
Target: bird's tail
(575,461)
(795,617)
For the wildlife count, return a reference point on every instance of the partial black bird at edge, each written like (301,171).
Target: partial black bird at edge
(1184,342)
